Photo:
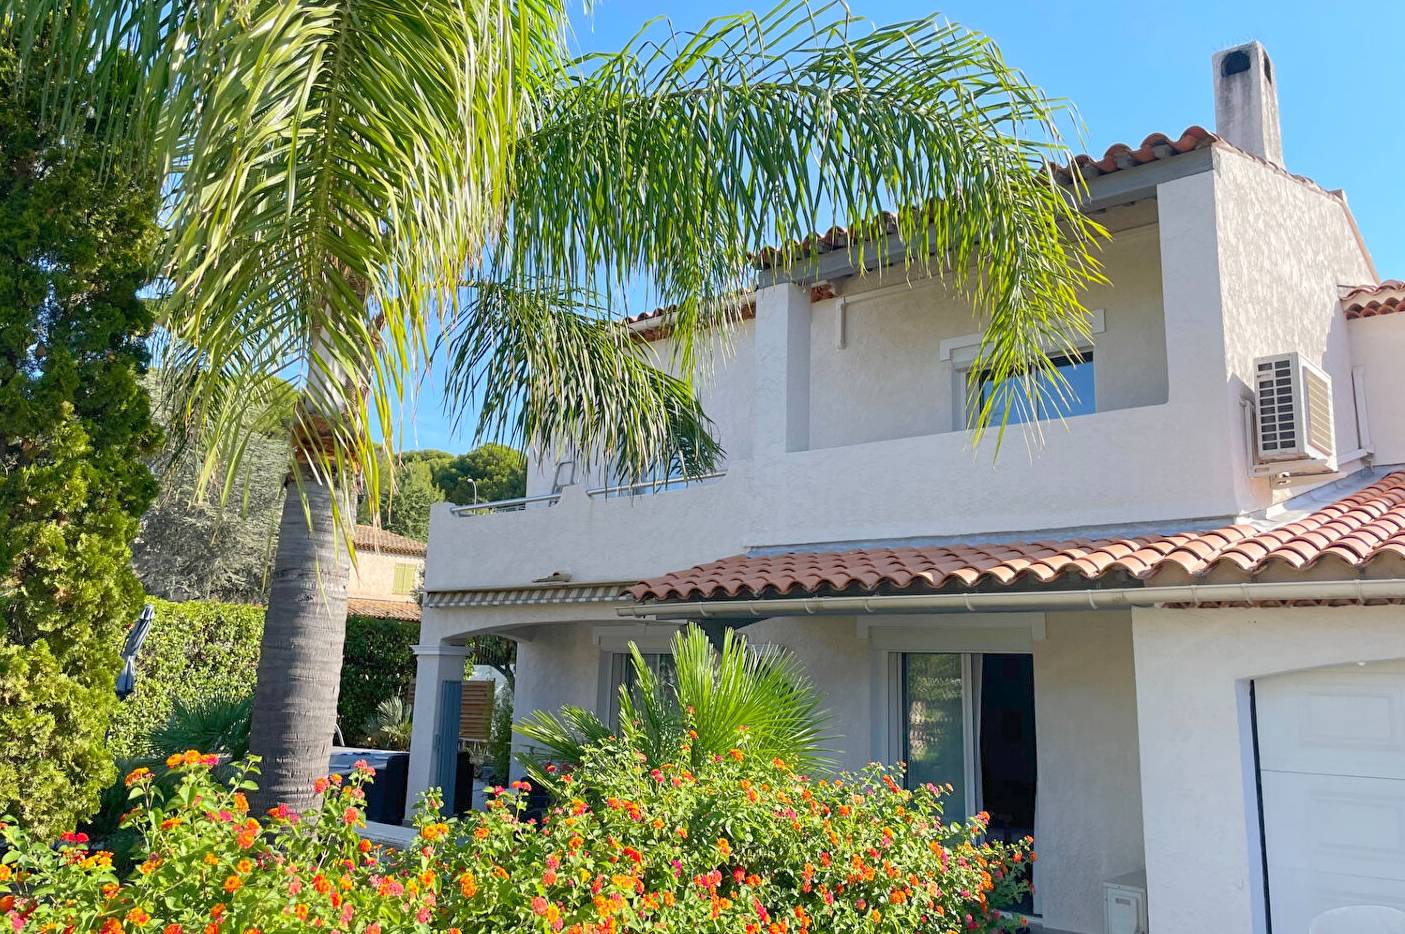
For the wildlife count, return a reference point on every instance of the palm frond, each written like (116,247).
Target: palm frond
(764,694)
(211,724)
(735,697)
(558,739)
(547,366)
(651,720)
(331,169)
(687,153)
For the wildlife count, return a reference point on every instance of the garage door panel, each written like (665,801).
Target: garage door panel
(1336,722)
(1331,747)
(1329,822)
(1300,895)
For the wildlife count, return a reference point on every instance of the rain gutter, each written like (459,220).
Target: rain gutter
(1358,591)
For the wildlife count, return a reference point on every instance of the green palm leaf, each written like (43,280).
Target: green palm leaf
(687,154)
(730,697)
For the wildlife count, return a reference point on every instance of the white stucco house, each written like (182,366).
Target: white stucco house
(1172,635)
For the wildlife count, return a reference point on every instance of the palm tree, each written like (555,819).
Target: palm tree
(342,176)
(712,697)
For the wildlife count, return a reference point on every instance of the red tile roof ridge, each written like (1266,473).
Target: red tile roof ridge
(1119,156)
(1385,285)
(376,539)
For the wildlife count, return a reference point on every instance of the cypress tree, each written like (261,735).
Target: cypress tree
(77,240)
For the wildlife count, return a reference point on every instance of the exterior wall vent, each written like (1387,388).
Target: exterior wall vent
(1292,418)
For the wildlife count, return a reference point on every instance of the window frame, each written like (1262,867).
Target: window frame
(959,353)
(1076,357)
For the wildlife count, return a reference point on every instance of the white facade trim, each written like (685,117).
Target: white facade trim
(650,637)
(962,350)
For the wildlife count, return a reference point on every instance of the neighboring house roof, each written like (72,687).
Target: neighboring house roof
(1368,301)
(383,609)
(1351,533)
(372,538)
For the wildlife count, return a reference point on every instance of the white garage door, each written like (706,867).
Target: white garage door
(1332,767)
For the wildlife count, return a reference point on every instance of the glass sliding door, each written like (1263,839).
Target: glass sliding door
(935,734)
(622,673)
(967,720)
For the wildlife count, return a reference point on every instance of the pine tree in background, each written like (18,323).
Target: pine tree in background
(500,472)
(406,508)
(77,235)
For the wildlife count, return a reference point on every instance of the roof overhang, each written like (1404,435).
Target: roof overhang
(608,592)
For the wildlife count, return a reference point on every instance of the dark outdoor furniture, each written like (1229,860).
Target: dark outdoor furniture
(385,797)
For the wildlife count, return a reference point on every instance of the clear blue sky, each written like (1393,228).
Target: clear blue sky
(1138,68)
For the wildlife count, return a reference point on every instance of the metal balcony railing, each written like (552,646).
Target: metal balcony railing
(505,505)
(642,488)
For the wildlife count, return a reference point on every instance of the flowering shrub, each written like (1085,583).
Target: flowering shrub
(738,845)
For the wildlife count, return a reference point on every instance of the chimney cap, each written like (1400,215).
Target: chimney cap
(1246,101)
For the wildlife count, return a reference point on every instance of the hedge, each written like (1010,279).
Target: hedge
(200,649)
(377,662)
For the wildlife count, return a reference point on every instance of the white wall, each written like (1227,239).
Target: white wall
(888,379)
(558,666)
(1199,801)
(1284,249)
(1090,802)
(1378,345)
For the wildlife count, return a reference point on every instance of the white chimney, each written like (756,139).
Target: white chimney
(1246,101)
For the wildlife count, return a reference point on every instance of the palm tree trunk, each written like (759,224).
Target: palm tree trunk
(295,702)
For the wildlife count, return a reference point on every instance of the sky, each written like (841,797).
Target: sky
(1132,69)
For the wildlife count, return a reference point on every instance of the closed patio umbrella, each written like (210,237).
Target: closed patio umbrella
(127,679)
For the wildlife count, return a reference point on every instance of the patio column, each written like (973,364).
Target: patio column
(434,739)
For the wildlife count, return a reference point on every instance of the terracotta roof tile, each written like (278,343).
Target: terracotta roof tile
(1121,156)
(383,609)
(371,538)
(1368,301)
(1355,529)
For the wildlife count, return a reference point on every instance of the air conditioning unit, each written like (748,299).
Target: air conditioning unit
(1292,418)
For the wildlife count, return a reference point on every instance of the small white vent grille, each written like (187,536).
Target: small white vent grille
(1293,411)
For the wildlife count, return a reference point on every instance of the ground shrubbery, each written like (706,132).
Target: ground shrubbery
(738,844)
(676,825)
(202,650)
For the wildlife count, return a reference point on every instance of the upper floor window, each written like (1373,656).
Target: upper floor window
(1077,397)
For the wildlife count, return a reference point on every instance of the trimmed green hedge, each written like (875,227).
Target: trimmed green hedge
(376,663)
(203,649)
